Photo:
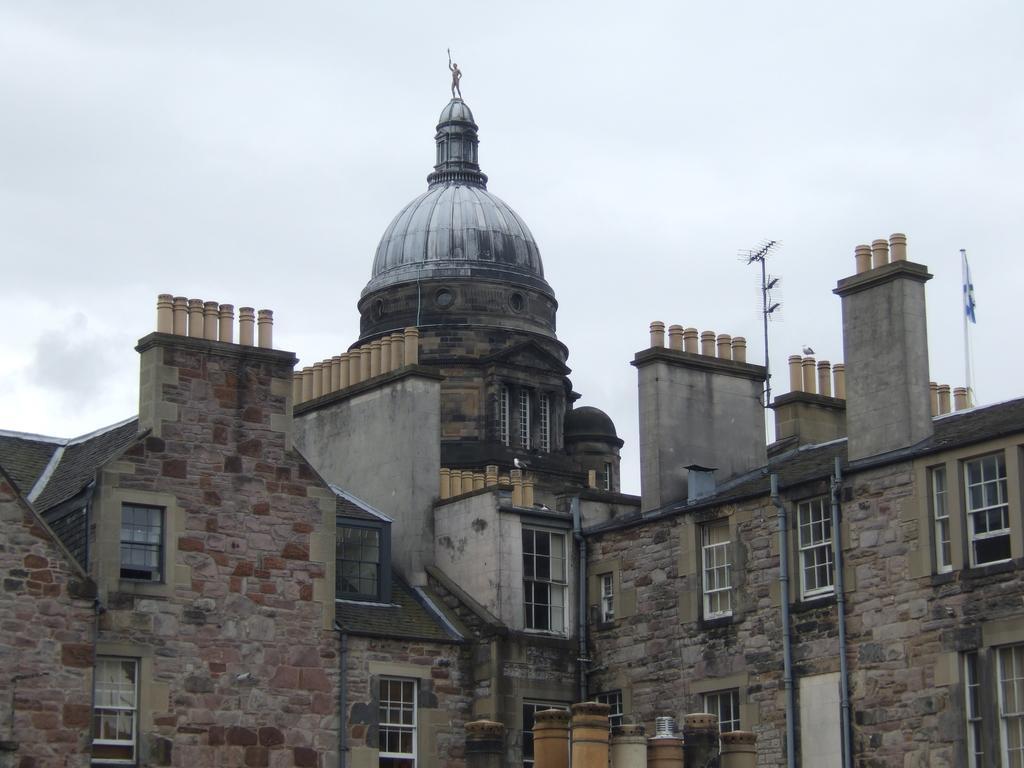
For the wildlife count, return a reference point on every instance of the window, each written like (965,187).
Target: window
(717,569)
(815,538)
(1011,705)
(115,712)
(530,709)
(940,517)
(972,710)
(988,515)
(544,580)
(725,704)
(614,701)
(607,597)
(544,416)
(358,553)
(524,418)
(142,535)
(503,423)
(606,476)
(397,723)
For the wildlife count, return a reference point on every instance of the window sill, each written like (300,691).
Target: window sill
(601,626)
(811,603)
(990,569)
(716,622)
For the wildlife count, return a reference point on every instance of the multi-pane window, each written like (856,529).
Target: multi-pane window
(524,418)
(115,711)
(606,476)
(988,514)
(607,597)
(142,536)
(1011,705)
(397,723)
(530,709)
(725,704)
(544,421)
(503,416)
(358,555)
(972,710)
(614,701)
(544,580)
(716,569)
(940,517)
(815,541)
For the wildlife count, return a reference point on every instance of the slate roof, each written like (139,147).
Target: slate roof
(352,506)
(65,466)
(815,462)
(25,457)
(409,616)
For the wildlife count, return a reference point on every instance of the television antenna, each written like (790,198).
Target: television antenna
(768,304)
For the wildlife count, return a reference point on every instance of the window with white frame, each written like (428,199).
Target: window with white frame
(544,421)
(503,416)
(716,569)
(606,476)
(397,723)
(815,542)
(142,542)
(725,704)
(524,418)
(544,580)
(530,710)
(972,711)
(607,597)
(614,701)
(1011,705)
(988,514)
(940,518)
(115,711)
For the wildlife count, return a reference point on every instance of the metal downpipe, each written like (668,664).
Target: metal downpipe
(342,699)
(581,597)
(787,641)
(837,562)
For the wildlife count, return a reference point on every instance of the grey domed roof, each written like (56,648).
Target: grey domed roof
(457,229)
(588,422)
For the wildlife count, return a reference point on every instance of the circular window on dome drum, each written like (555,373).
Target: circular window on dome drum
(444,298)
(515,302)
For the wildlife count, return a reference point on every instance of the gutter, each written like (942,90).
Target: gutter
(787,641)
(837,563)
(581,596)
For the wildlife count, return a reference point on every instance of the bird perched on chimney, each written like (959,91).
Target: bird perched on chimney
(520,464)
(808,351)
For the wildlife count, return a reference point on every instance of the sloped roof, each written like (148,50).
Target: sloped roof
(411,615)
(25,457)
(349,505)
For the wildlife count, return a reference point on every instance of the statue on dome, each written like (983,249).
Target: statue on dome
(456,75)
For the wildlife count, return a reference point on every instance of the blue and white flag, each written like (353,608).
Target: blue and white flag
(968,288)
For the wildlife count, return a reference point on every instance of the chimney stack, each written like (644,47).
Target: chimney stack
(885,345)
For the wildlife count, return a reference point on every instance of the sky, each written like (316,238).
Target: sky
(253,153)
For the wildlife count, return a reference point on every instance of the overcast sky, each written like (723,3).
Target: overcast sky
(253,153)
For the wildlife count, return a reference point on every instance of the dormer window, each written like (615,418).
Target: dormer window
(363,567)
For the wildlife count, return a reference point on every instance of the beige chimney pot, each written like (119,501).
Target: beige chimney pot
(898,246)
(657,334)
(246,326)
(796,376)
(839,380)
(675,337)
(725,346)
(879,253)
(808,375)
(862,255)
(226,313)
(165,313)
(412,346)
(825,378)
(739,349)
(943,399)
(195,318)
(265,328)
(180,316)
(690,336)
(211,320)
(707,343)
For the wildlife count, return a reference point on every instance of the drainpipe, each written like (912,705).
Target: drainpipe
(837,559)
(342,699)
(581,596)
(787,642)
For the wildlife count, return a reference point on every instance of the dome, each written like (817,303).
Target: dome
(457,229)
(589,423)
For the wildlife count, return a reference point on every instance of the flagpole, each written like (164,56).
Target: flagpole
(966,300)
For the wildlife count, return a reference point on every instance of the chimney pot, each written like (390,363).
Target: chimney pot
(226,313)
(385,354)
(739,349)
(246,325)
(307,383)
(707,343)
(943,399)
(446,483)
(933,391)
(862,255)
(335,373)
(879,253)
(412,346)
(960,398)
(725,346)
(825,378)
(374,358)
(397,350)
(364,362)
(211,320)
(839,380)
(657,334)
(690,336)
(898,246)
(180,316)
(808,374)
(296,388)
(796,376)
(195,318)
(318,379)
(355,367)
(165,313)
(675,337)
(344,374)
(265,328)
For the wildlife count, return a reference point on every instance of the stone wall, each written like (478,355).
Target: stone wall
(46,629)
(238,658)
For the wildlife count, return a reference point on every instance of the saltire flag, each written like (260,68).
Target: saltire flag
(968,289)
